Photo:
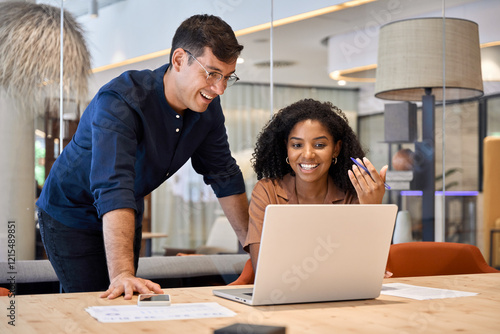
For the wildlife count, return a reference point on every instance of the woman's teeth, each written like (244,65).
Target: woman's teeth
(308,166)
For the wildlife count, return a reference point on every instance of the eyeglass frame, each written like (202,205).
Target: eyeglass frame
(229,80)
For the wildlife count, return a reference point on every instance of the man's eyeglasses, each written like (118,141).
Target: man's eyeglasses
(215,77)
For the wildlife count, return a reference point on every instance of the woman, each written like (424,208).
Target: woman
(302,156)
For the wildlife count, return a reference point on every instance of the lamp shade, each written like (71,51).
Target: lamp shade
(410,59)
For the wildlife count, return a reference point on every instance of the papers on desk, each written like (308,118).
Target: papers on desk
(128,313)
(420,292)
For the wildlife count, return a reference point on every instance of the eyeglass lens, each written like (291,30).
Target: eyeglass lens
(215,77)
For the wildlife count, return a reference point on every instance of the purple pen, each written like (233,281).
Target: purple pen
(366,170)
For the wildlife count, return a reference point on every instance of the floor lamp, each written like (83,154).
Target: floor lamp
(411,55)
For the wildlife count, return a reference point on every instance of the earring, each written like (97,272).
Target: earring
(287,161)
(334,160)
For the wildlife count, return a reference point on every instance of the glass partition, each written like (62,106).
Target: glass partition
(493,112)
(311,43)
(349,53)
(184,208)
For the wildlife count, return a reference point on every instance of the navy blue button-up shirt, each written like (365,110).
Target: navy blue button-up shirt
(128,142)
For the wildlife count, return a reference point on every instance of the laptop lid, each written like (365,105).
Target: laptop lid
(313,253)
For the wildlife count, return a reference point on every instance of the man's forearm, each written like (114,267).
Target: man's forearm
(119,230)
(235,208)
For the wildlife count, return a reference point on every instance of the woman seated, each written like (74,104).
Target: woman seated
(302,156)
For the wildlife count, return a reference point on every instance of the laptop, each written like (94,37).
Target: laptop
(319,253)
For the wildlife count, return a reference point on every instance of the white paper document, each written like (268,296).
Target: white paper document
(421,292)
(129,313)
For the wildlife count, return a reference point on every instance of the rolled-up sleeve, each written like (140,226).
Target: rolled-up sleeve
(114,143)
(213,160)
(261,198)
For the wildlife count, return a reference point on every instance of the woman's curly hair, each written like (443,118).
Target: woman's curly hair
(268,159)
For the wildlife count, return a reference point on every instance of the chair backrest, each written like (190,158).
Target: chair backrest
(491,194)
(4,292)
(28,271)
(247,276)
(436,258)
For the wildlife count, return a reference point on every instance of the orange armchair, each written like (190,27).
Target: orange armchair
(4,291)
(247,276)
(491,196)
(436,258)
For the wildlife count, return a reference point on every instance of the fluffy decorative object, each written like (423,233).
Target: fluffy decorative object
(30,55)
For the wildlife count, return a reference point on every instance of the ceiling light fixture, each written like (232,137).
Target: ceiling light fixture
(339,70)
(93,8)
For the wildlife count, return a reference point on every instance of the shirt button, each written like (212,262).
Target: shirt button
(177,130)
(167,174)
(177,116)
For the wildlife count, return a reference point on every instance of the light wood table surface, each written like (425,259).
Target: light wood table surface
(65,313)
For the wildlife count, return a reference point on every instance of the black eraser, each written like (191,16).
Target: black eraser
(240,328)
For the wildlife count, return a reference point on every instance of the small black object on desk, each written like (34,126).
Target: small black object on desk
(239,328)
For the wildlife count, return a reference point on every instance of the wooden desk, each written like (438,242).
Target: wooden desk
(148,236)
(65,313)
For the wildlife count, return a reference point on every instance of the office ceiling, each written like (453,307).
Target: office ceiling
(303,45)
(80,7)
(300,50)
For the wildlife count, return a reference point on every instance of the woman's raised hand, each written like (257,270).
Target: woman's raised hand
(370,188)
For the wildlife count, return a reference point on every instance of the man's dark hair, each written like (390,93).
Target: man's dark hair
(200,31)
(270,152)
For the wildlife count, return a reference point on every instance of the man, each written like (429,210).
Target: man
(139,129)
